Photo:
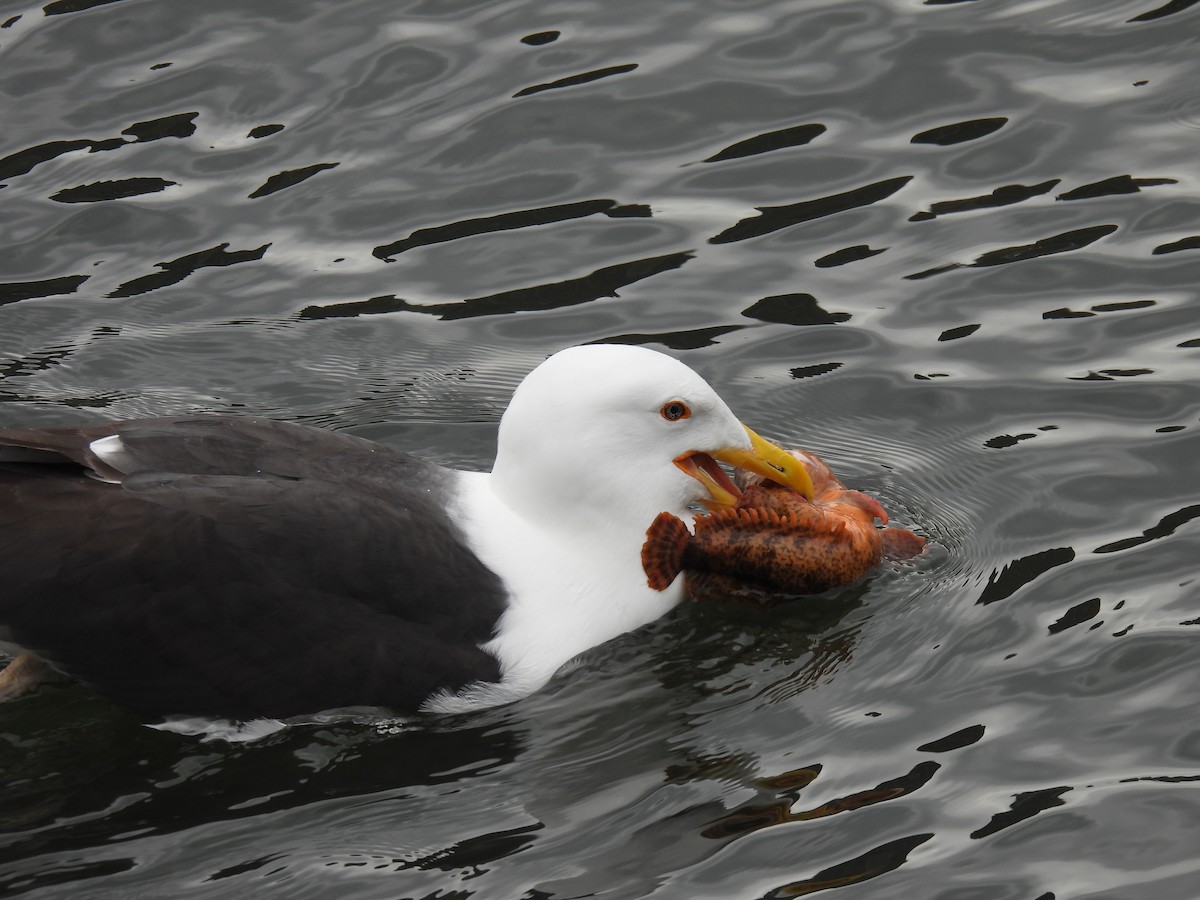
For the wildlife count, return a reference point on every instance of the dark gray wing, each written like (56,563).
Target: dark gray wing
(239,567)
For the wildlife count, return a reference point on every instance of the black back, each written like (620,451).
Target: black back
(240,568)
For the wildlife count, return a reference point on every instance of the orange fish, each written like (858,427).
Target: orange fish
(777,540)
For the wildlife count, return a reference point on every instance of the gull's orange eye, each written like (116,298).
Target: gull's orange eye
(675,410)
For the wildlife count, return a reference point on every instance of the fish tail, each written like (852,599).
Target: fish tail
(662,554)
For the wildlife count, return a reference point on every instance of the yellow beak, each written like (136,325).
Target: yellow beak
(763,458)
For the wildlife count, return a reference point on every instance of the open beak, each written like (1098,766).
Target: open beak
(763,458)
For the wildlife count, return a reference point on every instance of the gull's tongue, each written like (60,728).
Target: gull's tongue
(713,468)
(702,467)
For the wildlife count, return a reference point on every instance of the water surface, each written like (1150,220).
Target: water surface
(951,246)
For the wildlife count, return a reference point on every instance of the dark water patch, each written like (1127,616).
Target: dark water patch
(814,371)
(89,401)
(1065,313)
(946,2)
(693,339)
(1123,305)
(960,132)
(1110,374)
(510,221)
(1001,196)
(112,190)
(793,309)
(1166,526)
(1076,615)
(273,779)
(938,270)
(289,178)
(964,737)
(9,23)
(596,285)
(1024,806)
(1059,243)
(962,331)
(1005,582)
(162,65)
(847,255)
(175,270)
(24,161)
(180,125)
(249,865)
(1004,441)
(467,855)
(67,874)
(774,218)
(387,303)
(574,80)
(875,862)
(792,781)
(1191,242)
(1170,429)
(756,815)
(13,291)
(62,7)
(472,852)
(540,38)
(796,136)
(1189,344)
(630,211)
(113,143)
(39,361)
(1175,6)
(1118,184)
(262,131)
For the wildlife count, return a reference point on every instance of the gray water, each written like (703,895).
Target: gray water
(953,247)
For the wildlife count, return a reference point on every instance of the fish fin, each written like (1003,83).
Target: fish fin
(900,543)
(718,518)
(662,554)
(867,504)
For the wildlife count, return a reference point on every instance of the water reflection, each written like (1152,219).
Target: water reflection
(774,218)
(741,187)
(593,286)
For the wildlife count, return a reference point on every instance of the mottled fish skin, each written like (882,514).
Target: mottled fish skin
(775,539)
(788,544)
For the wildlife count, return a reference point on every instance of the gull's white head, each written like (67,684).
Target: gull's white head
(608,436)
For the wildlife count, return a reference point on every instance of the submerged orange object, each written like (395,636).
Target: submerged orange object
(777,540)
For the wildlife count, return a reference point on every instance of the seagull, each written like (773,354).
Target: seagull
(246,568)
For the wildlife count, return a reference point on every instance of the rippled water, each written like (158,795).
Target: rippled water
(951,246)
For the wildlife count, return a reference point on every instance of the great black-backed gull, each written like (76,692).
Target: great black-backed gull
(246,568)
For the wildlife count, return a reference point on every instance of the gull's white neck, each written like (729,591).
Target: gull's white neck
(572,585)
